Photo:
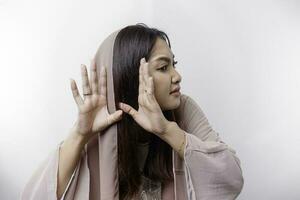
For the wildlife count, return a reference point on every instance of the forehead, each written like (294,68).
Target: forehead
(160,48)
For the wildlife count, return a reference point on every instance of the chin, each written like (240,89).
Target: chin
(171,105)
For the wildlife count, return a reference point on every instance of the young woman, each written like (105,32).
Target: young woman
(136,135)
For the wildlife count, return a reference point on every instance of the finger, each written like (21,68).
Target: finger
(147,78)
(143,74)
(128,109)
(142,91)
(94,78)
(116,116)
(75,93)
(151,85)
(103,81)
(149,98)
(146,67)
(141,86)
(85,81)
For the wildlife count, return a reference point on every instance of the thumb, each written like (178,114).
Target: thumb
(128,109)
(116,116)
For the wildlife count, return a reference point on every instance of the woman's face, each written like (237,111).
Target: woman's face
(165,77)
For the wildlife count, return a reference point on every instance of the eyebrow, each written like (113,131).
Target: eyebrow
(164,58)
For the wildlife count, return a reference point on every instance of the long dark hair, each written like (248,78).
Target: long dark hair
(131,44)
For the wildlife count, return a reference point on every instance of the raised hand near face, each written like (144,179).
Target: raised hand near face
(149,114)
(93,116)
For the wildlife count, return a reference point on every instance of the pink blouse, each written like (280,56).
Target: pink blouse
(210,169)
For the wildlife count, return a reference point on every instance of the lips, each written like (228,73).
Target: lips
(177,89)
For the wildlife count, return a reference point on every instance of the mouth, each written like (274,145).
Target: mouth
(177,94)
(176,91)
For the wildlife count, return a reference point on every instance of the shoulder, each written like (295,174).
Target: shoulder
(187,110)
(184,98)
(188,104)
(192,119)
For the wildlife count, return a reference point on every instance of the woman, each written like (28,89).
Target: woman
(137,136)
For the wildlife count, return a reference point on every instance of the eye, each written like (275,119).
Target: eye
(164,68)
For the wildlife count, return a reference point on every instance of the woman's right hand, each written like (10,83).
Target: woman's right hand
(93,116)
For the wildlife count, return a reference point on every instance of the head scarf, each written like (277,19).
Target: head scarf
(107,152)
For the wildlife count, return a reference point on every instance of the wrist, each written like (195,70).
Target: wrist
(168,129)
(76,139)
(175,137)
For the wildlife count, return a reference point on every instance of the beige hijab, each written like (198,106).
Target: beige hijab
(108,148)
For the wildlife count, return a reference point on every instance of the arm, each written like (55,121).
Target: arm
(69,156)
(212,168)
(175,137)
(43,182)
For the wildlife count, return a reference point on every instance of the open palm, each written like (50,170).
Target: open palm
(149,115)
(93,116)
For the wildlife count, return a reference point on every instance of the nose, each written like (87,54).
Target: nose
(176,77)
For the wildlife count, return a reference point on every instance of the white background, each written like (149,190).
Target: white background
(239,60)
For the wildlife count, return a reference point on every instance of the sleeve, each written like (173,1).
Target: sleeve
(212,168)
(69,183)
(43,183)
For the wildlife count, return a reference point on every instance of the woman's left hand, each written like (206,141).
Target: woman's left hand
(149,114)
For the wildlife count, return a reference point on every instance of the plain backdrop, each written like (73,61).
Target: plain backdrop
(238,59)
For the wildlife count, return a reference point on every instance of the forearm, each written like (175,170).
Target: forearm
(175,137)
(69,155)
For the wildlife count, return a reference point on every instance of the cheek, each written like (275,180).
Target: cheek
(161,87)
